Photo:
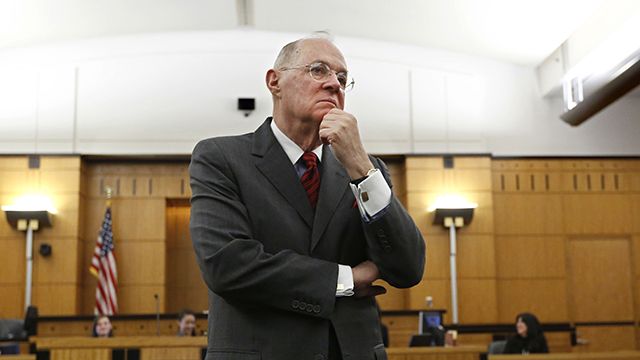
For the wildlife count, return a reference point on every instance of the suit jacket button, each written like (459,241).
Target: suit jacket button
(387,248)
(295,304)
(309,308)
(316,309)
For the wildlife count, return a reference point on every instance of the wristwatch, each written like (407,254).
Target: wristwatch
(369,173)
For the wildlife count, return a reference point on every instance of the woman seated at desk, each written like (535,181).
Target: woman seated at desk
(529,338)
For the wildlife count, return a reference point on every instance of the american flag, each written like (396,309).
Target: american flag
(103,266)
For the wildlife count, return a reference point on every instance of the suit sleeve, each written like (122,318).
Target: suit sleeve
(394,242)
(234,265)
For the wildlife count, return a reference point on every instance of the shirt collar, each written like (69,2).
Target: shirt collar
(293,151)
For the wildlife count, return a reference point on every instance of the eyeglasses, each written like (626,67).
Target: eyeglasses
(320,71)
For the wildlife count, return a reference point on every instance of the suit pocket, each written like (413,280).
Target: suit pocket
(228,354)
(379,352)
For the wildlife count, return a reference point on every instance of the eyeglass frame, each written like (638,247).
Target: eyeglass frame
(348,85)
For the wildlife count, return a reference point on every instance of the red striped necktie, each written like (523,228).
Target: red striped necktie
(311,177)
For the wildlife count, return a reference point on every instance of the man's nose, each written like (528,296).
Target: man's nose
(332,82)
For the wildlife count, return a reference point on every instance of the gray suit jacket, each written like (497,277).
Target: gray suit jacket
(270,262)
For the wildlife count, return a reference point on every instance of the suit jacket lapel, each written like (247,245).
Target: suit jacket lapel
(334,181)
(274,164)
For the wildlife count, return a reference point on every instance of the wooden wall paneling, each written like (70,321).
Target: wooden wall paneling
(80,354)
(545,297)
(633,179)
(483,217)
(471,177)
(139,298)
(393,299)
(606,338)
(139,248)
(6,231)
(94,209)
(12,304)
(530,256)
(185,353)
(66,223)
(559,342)
(189,297)
(476,256)
(140,262)
(438,289)
(398,172)
(13,162)
(597,214)
(400,328)
(472,162)
(425,180)
(60,162)
(576,181)
(185,287)
(128,212)
(66,328)
(531,181)
(57,177)
(65,180)
(176,186)
(122,327)
(635,211)
(524,214)
(17,182)
(56,298)
(477,179)
(474,339)
(97,183)
(635,242)
(59,267)
(437,259)
(12,259)
(423,162)
(477,301)
(600,279)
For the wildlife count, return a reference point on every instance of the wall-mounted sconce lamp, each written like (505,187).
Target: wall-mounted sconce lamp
(453,212)
(29,214)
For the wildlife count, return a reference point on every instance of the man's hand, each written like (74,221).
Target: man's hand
(364,274)
(340,130)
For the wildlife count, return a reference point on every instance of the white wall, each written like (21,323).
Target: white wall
(160,93)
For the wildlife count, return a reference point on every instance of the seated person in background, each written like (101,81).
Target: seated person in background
(529,338)
(186,323)
(102,327)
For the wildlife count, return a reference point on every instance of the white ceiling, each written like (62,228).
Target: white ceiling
(518,31)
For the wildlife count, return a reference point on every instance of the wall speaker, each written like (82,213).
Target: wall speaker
(246,105)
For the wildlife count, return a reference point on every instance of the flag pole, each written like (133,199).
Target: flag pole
(103,263)
(108,193)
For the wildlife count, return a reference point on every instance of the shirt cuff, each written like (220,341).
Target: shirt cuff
(345,281)
(372,194)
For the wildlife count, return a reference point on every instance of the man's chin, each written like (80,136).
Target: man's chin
(321,113)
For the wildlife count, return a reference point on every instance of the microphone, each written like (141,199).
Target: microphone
(157,314)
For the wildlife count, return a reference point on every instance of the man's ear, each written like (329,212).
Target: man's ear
(272,80)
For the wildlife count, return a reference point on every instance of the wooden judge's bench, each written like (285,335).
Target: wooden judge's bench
(192,348)
(125,348)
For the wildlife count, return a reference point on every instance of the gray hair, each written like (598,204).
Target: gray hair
(291,51)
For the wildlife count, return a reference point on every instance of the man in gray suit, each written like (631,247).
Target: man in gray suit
(293,223)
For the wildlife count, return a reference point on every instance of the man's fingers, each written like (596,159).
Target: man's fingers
(371,290)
